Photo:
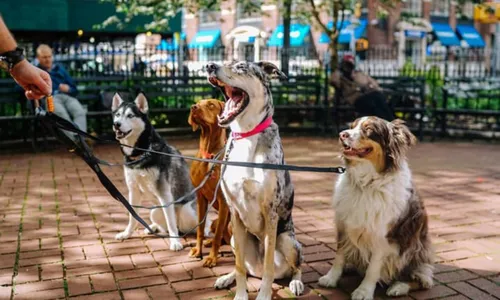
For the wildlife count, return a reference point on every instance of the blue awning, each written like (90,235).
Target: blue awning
(345,31)
(298,35)
(170,45)
(205,39)
(445,34)
(469,34)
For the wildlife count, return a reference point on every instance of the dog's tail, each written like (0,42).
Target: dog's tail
(187,219)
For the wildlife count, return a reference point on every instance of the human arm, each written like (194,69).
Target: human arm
(7,42)
(372,83)
(34,81)
(335,79)
(69,86)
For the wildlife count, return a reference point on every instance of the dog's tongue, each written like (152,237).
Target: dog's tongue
(234,94)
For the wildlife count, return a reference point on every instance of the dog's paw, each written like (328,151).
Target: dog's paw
(363,293)
(224,281)
(425,280)
(329,280)
(175,244)
(154,227)
(243,296)
(398,289)
(123,235)
(195,252)
(296,287)
(210,261)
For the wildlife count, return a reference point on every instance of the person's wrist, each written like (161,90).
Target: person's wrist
(9,59)
(18,65)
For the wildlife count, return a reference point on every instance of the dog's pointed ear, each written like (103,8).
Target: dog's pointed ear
(271,69)
(142,103)
(117,101)
(193,124)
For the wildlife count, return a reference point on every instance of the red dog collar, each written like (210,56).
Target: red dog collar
(206,155)
(261,127)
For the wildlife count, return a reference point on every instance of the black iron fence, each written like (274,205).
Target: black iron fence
(174,79)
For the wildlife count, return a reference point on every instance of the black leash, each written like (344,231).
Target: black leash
(69,126)
(52,121)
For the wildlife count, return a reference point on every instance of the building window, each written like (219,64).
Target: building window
(209,16)
(251,10)
(440,8)
(364,6)
(413,8)
(466,10)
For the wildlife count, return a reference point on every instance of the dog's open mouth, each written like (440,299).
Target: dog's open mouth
(236,101)
(360,152)
(120,134)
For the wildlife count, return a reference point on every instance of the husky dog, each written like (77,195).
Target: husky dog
(166,178)
(260,201)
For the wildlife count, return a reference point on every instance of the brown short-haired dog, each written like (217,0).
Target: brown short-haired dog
(212,139)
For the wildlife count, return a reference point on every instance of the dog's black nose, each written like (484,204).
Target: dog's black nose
(211,67)
(117,125)
(344,135)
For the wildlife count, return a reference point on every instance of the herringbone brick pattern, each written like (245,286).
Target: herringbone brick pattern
(57,227)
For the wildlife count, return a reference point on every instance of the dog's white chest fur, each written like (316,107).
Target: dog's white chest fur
(367,203)
(146,179)
(242,187)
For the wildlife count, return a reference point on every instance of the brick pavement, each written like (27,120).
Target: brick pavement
(57,225)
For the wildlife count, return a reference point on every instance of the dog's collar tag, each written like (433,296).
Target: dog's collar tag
(258,129)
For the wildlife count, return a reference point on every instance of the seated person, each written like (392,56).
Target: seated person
(360,90)
(63,89)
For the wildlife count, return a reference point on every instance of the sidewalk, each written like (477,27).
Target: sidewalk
(57,227)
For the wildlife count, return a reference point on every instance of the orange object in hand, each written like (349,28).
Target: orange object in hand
(50,104)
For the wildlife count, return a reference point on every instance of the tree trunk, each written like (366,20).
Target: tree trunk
(334,55)
(285,57)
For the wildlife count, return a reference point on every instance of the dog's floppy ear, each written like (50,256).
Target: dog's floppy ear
(402,134)
(271,70)
(117,100)
(193,124)
(142,103)
(400,140)
(221,104)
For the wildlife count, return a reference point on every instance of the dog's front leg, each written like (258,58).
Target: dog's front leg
(133,196)
(240,241)
(171,218)
(332,277)
(271,225)
(200,231)
(367,287)
(211,260)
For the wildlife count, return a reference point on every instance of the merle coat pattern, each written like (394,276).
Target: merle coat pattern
(260,200)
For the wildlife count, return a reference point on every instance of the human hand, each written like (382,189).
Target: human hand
(64,88)
(36,82)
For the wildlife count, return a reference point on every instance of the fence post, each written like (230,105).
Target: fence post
(443,112)
(325,100)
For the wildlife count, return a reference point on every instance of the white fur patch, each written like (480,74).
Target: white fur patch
(366,204)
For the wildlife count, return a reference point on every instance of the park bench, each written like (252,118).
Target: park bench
(15,118)
(468,107)
(406,97)
(297,101)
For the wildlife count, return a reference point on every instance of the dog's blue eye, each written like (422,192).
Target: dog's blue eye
(117,115)
(130,116)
